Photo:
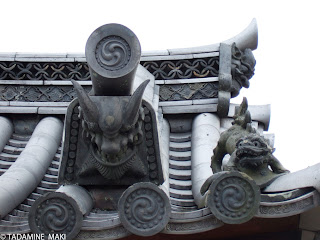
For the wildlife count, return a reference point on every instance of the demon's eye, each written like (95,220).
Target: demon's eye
(240,143)
(256,143)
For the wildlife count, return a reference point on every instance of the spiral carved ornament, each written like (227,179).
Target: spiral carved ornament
(55,213)
(113,53)
(234,198)
(144,209)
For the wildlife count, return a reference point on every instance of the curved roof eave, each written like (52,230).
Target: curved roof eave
(248,38)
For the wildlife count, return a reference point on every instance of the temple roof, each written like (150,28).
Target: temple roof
(185,92)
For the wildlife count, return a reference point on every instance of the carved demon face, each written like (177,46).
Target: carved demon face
(113,125)
(243,64)
(252,150)
(112,140)
(242,68)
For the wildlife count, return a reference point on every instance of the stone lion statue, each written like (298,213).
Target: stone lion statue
(249,152)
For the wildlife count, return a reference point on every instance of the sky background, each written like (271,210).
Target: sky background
(287,70)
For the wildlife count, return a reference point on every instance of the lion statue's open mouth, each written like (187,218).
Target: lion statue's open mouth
(251,151)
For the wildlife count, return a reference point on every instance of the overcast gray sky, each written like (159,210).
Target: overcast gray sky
(287,70)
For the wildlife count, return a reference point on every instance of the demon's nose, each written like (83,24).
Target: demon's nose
(110,147)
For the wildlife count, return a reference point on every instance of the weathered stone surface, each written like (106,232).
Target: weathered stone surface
(20,110)
(233,197)
(142,75)
(225,80)
(144,209)
(113,53)
(308,177)
(164,153)
(180,174)
(193,226)
(79,148)
(249,151)
(205,136)
(248,38)
(190,109)
(112,137)
(260,113)
(27,171)
(182,185)
(100,221)
(290,207)
(180,165)
(56,213)
(285,196)
(235,70)
(80,195)
(189,216)
(242,68)
(52,110)
(6,129)
(105,234)
(7,56)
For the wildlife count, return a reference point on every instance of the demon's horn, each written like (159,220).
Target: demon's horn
(133,106)
(243,106)
(89,109)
